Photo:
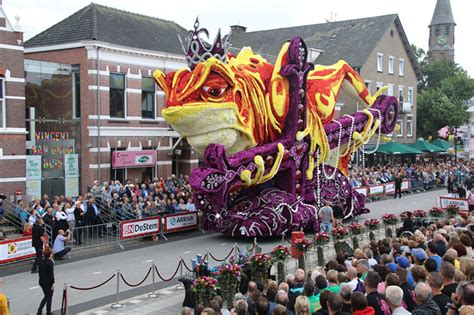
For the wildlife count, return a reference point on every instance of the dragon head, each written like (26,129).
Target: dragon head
(226,102)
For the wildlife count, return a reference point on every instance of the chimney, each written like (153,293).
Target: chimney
(236,29)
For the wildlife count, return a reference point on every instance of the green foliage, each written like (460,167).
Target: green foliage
(442,95)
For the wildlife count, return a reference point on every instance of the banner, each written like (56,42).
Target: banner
(140,227)
(71,165)
(405,185)
(71,188)
(180,221)
(122,159)
(33,167)
(389,188)
(445,202)
(16,249)
(33,188)
(376,190)
(362,191)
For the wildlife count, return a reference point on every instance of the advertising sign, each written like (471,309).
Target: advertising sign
(389,188)
(16,249)
(405,185)
(140,227)
(122,159)
(33,167)
(71,186)
(33,188)
(445,202)
(181,221)
(375,190)
(71,165)
(362,191)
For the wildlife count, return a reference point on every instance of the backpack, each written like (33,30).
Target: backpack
(360,287)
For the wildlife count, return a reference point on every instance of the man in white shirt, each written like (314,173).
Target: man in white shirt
(59,248)
(394,296)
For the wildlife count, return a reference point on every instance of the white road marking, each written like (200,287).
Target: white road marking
(147,261)
(97,273)
(188,251)
(32,288)
(135,301)
(224,244)
(100,312)
(166,292)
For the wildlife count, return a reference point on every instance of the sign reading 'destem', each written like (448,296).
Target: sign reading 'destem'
(140,227)
(181,221)
(122,159)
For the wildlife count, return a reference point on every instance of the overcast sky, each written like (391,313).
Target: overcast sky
(415,15)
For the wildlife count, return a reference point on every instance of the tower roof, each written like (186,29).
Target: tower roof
(442,13)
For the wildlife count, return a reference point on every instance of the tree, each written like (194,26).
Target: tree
(442,95)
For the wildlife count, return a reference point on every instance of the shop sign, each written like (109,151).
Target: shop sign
(33,167)
(124,159)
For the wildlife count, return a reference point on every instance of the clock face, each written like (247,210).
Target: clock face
(442,40)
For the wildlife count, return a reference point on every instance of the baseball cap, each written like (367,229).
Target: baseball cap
(392,266)
(403,262)
(419,254)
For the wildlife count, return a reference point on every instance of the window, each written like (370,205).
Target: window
(379,86)
(400,123)
(390,90)
(401,67)
(447,30)
(76,95)
(409,126)
(410,95)
(2,105)
(148,98)
(117,95)
(391,62)
(368,85)
(400,94)
(380,62)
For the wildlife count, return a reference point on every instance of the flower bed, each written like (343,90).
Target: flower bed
(389,219)
(204,289)
(372,224)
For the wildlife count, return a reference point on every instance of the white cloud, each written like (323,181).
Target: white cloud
(37,15)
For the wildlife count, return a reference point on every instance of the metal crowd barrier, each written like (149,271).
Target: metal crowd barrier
(378,191)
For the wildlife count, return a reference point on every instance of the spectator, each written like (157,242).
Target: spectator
(408,293)
(425,304)
(59,248)
(278,310)
(262,306)
(282,299)
(442,300)
(186,311)
(240,308)
(208,311)
(375,299)
(4,310)
(447,273)
(346,294)
(38,239)
(302,306)
(463,298)
(394,296)
(335,304)
(360,306)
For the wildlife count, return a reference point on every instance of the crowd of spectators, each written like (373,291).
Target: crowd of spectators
(425,174)
(133,200)
(430,272)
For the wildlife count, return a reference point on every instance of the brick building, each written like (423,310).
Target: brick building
(376,47)
(90,77)
(12,108)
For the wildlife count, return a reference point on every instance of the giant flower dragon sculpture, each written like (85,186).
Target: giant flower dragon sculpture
(273,153)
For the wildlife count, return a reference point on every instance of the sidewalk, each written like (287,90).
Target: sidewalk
(168,302)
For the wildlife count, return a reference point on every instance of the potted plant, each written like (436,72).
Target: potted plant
(302,245)
(389,219)
(340,233)
(452,209)
(356,228)
(229,281)
(279,255)
(436,212)
(419,213)
(204,289)
(372,224)
(259,265)
(321,238)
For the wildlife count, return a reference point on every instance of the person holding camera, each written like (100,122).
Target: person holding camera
(59,247)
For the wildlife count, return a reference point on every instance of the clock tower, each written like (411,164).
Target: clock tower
(441,43)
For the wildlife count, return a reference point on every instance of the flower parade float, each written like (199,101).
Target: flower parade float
(273,153)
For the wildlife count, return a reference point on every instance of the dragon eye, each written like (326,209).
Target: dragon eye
(214,91)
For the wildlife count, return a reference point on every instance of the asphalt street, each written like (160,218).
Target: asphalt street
(25,294)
